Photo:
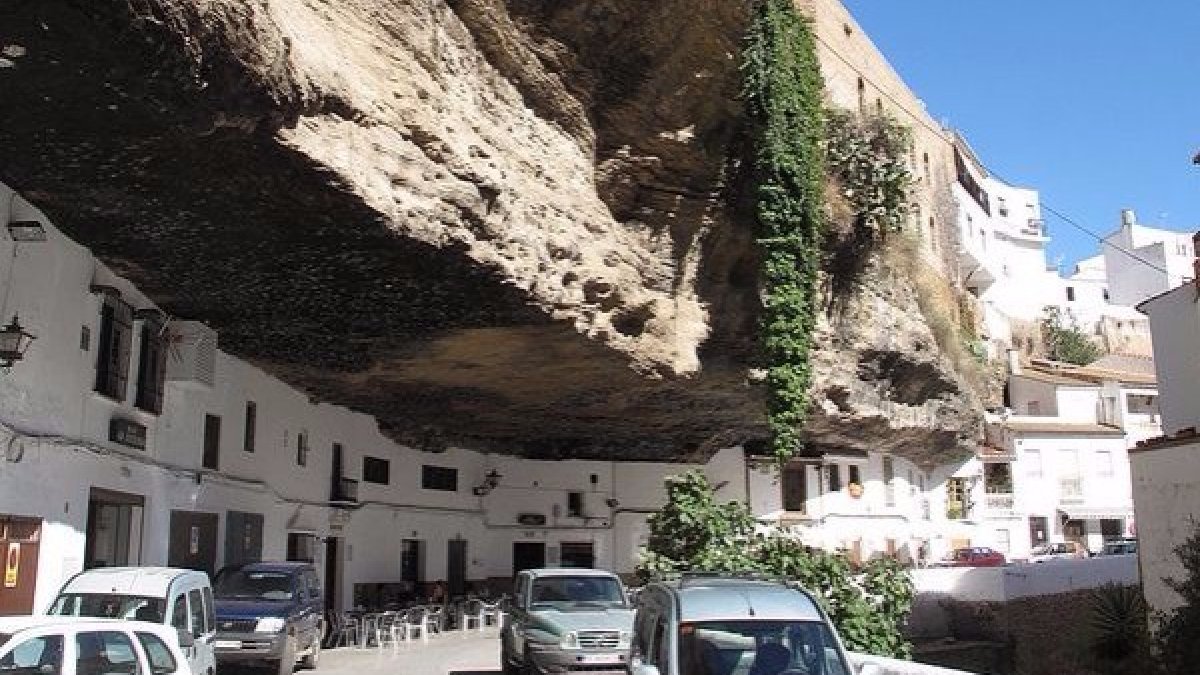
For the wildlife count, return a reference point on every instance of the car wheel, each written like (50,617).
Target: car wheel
(287,660)
(310,660)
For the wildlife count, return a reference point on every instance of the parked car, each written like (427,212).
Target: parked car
(1120,547)
(733,625)
(179,598)
(270,612)
(566,619)
(973,556)
(61,645)
(1062,550)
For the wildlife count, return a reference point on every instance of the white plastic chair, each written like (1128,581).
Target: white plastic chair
(472,613)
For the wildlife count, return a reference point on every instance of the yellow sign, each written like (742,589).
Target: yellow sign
(12,562)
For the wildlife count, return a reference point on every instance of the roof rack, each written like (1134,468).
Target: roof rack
(684,577)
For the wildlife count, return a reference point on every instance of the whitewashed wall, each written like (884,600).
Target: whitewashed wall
(1023,580)
(1166,492)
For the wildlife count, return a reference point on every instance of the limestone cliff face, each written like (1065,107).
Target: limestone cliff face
(515,225)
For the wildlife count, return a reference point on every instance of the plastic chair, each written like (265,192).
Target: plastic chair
(383,629)
(348,632)
(435,619)
(489,614)
(472,613)
(412,624)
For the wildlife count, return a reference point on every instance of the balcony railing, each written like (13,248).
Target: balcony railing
(997,502)
(1034,227)
(345,490)
(1070,490)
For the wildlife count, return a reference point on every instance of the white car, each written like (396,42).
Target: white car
(60,645)
(1063,550)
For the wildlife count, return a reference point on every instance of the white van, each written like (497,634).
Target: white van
(179,598)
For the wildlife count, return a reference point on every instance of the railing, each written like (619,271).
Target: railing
(999,502)
(888,666)
(1034,227)
(1070,490)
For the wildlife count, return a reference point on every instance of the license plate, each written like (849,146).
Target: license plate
(228,644)
(597,658)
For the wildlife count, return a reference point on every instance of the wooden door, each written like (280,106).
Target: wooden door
(19,541)
(193,541)
(456,567)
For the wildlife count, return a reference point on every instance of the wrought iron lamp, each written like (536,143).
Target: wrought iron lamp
(490,481)
(14,340)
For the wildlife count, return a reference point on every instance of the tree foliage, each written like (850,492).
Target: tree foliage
(694,532)
(1178,630)
(782,89)
(1064,341)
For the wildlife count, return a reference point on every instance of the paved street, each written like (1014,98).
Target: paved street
(455,652)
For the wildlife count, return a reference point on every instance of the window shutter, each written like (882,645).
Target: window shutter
(159,385)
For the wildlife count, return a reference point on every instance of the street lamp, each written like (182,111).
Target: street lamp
(490,481)
(14,340)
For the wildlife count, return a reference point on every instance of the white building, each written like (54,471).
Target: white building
(1143,261)
(1166,470)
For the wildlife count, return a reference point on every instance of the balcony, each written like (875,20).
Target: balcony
(1070,490)
(345,490)
(999,503)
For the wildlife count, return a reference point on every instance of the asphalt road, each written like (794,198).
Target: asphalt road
(455,652)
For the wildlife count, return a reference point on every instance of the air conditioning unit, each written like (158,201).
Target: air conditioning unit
(191,353)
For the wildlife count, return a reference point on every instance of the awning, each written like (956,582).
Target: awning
(1097,512)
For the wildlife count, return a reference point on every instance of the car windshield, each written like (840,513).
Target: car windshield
(254,585)
(767,647)
(107,606)
(1041,550)
(580,590)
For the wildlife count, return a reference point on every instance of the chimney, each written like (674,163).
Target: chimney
(1128,218)
(1014,362)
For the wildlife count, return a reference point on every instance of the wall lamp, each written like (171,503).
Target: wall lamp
(14,340)
(490,481)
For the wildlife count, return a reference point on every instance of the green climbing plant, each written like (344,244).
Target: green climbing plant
(782,89)
(695,532)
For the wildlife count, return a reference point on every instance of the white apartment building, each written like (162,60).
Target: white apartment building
(1164,260)
(1166,469)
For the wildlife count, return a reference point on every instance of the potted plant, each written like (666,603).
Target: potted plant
(855,490)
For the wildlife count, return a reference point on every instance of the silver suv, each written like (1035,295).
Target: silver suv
(732,626)
(565,620)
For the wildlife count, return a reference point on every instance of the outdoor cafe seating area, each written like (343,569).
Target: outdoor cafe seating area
(390,614)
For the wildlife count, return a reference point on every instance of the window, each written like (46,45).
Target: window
(157,653)
(575,504)
(1106,295)
(956,498)
(410,560)
(40,655)
(116,336)
(196,611)
(932,233)
(835,477)
(1104,463)
(862,95)
(251,423)
(1001,206)
(795,488)
(375,470)
(179,615)
(302,448)
(212,442)
(854,476)
(1003,541)
(104,653)
(152,367)
(1070,294)
(1033,463)
(301,547)
(889,480)
(439,478)
(925,162)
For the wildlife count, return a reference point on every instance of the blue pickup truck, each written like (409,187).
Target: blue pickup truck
(269,612)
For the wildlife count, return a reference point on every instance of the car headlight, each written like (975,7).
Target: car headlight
(570,641)
(271,624)
(625,641)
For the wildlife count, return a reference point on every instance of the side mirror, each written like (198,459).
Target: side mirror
(871,669)
(645,669)
(186,640)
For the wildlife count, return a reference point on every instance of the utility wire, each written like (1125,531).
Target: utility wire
(942,132)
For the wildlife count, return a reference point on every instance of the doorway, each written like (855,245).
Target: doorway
(19,540)
(456,567)
(243,537)
(528,555)
(114,529)
(1073,530)
(580,554)
(332,582)
(193,541)
(1038,530)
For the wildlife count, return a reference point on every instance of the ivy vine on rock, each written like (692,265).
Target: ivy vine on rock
(782,90)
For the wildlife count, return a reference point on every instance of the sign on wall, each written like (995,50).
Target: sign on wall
(127,432)
(12,565)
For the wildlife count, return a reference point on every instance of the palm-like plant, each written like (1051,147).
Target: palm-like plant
(1117,622)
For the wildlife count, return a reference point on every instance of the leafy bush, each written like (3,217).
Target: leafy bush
(1178,634)
(1065,342)
(693,532)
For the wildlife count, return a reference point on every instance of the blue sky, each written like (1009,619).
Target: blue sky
(1095,104)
